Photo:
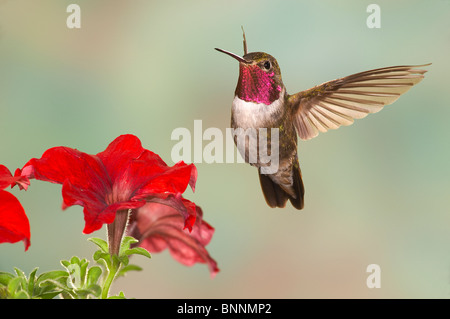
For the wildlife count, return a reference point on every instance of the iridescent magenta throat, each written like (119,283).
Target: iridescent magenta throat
(255,85)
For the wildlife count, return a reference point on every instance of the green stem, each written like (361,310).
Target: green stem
(116,231)
(112,271)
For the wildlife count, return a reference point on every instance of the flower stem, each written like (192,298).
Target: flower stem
(116,230)
(112,271)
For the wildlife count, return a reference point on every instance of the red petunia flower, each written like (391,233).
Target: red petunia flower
(128,179)
(14,224)
(158,227)
(122,177)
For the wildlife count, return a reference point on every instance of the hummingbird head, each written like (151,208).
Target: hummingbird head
(259,77)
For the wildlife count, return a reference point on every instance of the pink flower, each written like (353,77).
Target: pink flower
(158,226)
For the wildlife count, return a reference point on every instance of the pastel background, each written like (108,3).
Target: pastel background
(376,192)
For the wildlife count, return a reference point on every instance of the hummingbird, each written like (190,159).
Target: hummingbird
(261,101)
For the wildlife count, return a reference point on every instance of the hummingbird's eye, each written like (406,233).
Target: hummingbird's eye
(267,65)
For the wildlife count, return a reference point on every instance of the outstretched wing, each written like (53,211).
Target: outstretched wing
(339,102)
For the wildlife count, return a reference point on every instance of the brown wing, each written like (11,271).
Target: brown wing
(339,102)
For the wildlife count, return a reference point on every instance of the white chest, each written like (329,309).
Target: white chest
(251,123)
(249,114)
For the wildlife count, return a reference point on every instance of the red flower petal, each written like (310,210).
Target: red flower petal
(14,224)
(22,181)
(123,176)
(174,180)
(59,164)
(125,150)
(158,226)
(6,178)
(96,212)
(84,178)
(133,167)
(184,207)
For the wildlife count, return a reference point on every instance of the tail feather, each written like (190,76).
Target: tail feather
(277,197)
(299,189)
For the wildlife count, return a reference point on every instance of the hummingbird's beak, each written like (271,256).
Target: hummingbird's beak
(237,57)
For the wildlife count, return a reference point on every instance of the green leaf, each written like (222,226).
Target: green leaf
(55,283)
(93,275)
(115,260)
(60,287)
(4,292)
(66,295)
(121,295)
(5,277)
(102,255)
(83,267)
(31,281)
(22,294)
(49,295)
(75,279)
(128,268)
(103,245)
(53,275)
(13,285)
(84,293)
(94,290)
(47,288)
(77,269)
(98,254)
(138,251)
(102,263)
(20,273)
(128,240)
(124,260)
(126,243)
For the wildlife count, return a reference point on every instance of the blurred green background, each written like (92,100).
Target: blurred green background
(376,192)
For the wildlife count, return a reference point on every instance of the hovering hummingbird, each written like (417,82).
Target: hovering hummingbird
(261,101)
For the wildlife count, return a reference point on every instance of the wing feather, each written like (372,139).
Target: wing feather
(338,102)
